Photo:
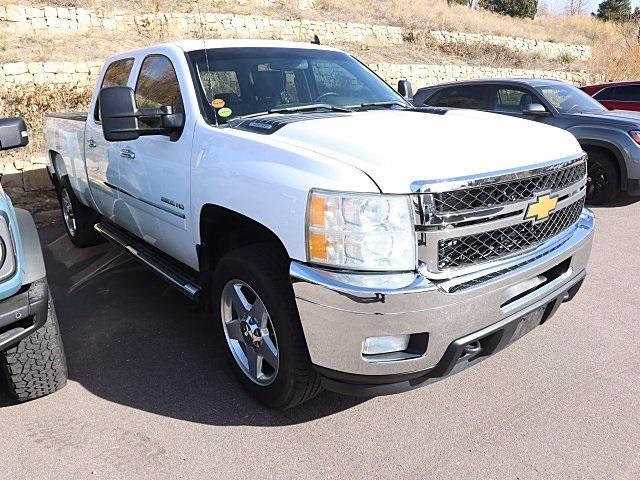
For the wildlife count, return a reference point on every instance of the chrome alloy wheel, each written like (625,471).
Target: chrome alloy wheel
(67,212)
(249,332)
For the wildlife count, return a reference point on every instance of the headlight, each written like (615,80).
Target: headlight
(361,231)
(635,134)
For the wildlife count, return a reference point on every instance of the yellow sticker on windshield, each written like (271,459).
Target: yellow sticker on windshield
(225,112)
(217,103)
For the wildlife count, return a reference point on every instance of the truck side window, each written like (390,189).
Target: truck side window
(157,87)
(467,96)
(117,75)
(513,100)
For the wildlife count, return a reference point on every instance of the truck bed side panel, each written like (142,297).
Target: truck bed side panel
(64,135)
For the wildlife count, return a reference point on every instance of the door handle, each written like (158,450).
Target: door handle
(126,153)
(92,143)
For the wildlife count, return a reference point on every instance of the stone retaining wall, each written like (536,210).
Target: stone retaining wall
(13,75)
(26,19)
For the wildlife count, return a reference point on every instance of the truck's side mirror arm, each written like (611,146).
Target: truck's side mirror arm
(13,133)
(120,116)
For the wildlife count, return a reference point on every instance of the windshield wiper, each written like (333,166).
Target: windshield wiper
(310,108)
(299,109)
(392,103)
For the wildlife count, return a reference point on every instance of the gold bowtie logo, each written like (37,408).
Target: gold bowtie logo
(541,209)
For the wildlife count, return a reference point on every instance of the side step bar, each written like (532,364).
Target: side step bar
(168,268)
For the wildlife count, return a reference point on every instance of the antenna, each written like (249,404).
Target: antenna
(206,58)
(316,39)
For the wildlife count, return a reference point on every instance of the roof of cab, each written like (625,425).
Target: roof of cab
(190,45)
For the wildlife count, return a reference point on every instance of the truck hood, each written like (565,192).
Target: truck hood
(396,148)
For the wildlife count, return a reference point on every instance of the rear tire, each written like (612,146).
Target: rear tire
(262,274)
(603,184)
(78,218)
(36,366)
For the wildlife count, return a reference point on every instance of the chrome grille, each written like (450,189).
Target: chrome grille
(507,192)
(464,223)
(458,252)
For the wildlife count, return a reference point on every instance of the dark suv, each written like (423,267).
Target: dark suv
(611,138)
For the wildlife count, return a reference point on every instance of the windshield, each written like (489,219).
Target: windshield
(569,99)
(244,81)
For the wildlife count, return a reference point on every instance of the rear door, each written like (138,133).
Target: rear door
(155,169)
(101,163)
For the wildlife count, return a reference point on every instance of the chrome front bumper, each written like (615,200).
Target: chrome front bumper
(339,311)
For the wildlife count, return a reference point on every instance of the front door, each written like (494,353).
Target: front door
(155,169)
(511,100)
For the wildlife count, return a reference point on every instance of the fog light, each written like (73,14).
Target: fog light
(388,344)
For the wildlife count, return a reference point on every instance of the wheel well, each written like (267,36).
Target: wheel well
(58,166)
(612,152)
(223,230)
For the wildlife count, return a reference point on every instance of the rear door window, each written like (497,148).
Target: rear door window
(117,75)
(466,96)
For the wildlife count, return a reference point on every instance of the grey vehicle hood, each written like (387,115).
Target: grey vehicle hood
(613,118)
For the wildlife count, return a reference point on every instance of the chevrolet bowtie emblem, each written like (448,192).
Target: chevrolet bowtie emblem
(541,208)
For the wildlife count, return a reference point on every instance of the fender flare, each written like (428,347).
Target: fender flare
(32,259)
(587,142)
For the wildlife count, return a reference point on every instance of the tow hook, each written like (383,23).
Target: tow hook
(470,350)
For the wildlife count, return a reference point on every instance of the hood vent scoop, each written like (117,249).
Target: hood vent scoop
(268,124)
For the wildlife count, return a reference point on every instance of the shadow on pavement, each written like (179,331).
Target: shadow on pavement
(132,339)
(622,200)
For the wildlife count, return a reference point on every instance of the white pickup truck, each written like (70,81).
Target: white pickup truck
(340,237)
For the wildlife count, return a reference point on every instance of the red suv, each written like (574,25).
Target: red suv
(617,95)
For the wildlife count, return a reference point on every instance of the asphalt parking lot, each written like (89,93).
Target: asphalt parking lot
(149,396)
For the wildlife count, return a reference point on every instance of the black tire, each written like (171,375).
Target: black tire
(603,185)
(36,366)
(80,219)
(266,272)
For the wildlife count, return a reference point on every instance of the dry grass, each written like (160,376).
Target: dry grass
(431,14)
(31,103)
(616,51)
(424,49)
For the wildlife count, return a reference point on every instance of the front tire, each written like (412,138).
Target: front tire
(603,184)
(254,307)
(36,366)
(78,218)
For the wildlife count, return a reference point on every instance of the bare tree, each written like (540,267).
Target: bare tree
(577,7)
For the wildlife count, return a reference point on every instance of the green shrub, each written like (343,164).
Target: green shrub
(513,8)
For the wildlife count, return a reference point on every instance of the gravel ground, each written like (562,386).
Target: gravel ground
(150,397)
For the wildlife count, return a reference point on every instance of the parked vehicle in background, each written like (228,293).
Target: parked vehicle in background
(31,354)
(616,95)
(611,139)
(275,183)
